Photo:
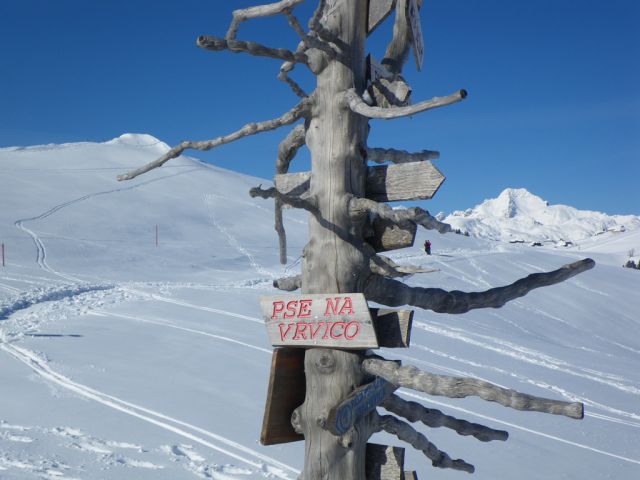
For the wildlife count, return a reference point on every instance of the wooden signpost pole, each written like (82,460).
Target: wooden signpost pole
(325,385)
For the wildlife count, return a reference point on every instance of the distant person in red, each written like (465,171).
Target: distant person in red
(427,247)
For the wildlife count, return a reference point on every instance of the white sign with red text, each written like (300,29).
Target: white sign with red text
(332,320)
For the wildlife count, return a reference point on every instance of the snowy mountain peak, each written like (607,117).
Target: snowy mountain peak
(518,215)
(140,140)
(514,201)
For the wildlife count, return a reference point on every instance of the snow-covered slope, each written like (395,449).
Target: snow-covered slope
(120,359)
(518,215)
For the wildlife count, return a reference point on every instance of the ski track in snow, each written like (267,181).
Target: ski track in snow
(262,464)
(165,323)
(534,357)
(526,380)
(41,251)
(425,399)
(233,241)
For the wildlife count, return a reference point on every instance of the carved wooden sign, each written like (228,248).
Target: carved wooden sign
(358,403)
(319,320)
(403,181)
(286,392)
(385,183)
(378,11)
(413,15)
(376,71)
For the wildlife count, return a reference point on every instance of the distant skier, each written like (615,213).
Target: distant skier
(427,247)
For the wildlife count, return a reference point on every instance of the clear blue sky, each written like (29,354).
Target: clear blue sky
(553,106)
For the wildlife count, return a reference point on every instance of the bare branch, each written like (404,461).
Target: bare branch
(304,203)
(316,27)
(398,216)
(308,40)
(288,284)
(358,105)
(286,151)
(287,118)
(456,387)
(286,67)
(382,265)
(381,155)
(433,418)
(216,44)
(288,148)
(407,433)
(398,49)
(269,10)
(392,293)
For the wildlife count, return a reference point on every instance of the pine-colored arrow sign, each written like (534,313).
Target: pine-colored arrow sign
(385,183)
(329,320)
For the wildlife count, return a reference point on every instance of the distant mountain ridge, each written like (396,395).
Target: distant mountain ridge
(518,215)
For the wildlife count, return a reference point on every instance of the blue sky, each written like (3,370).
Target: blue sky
(553,106)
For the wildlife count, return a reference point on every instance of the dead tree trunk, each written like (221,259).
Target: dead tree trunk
(332,261)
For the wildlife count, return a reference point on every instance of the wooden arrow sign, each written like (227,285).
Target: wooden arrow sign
(403,181)
(320,320)
(384,462)
(378,11)
(385,183)
(388,235)
(413,15)
(358,403)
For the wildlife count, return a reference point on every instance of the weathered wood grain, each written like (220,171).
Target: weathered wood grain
(414,412)
(417,440)
(390,183)
(357,404)
(384,462)
(393,327)
(359,106)
(285,392)
(394,294)
(413,15)
(379,10)
(393,155)
(456,387)
(402,182)
(389,235)
(287,118)
(320,320)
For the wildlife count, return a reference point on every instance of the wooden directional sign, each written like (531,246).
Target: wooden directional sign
(403,181)
(393,327)
(384,462)
(388,235)
(378,11)
(286,392)
(385,183)
(413,15)
(358,403)
(330,320)
(376,71)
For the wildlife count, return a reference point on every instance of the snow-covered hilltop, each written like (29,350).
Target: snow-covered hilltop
(518,215)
